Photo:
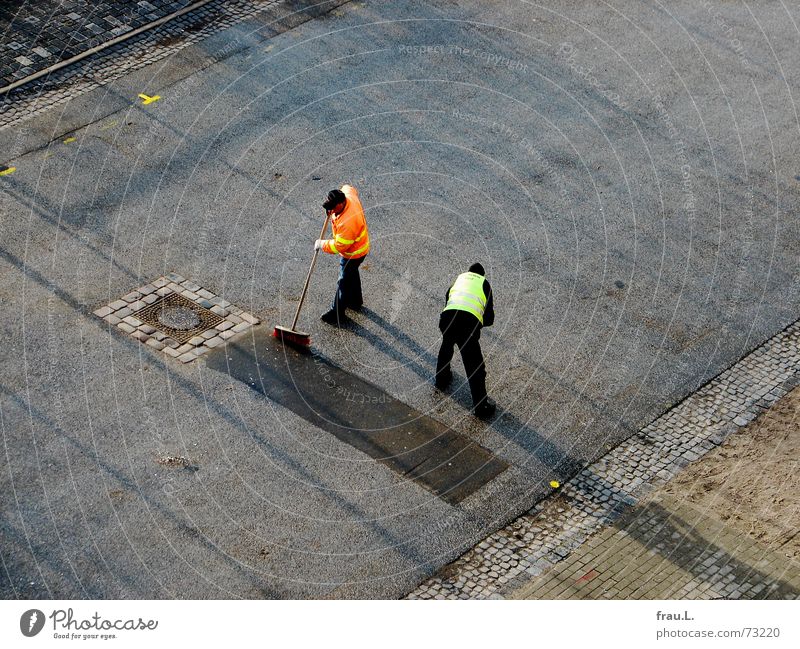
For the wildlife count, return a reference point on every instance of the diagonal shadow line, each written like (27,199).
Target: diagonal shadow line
(399,335)
(61,568)
(401,546)
(551,455)
(687,551)
(690,549)
(188,143)
(40,279)
(384,347)
(45,210)
(126,482)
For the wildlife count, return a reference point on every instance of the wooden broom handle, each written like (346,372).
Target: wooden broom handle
(310,270)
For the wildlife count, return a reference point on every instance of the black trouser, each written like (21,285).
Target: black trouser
(348,289)
(463,329)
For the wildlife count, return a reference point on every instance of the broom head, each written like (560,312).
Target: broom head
(292,337)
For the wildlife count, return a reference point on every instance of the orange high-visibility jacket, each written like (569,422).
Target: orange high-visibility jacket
(350,236)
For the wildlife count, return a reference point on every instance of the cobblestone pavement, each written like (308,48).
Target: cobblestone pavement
(610,534)
(36,35)
(116,61)
(667,549)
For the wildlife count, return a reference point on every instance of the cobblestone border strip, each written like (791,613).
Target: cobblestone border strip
(121,32)
(121,314)
(119,60)
(602,492)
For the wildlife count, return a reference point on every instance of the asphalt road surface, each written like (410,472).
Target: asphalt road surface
(626,172)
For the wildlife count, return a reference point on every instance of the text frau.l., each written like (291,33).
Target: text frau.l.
(66,621)
(661,615)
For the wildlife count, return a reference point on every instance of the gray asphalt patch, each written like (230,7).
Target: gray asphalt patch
(361,414)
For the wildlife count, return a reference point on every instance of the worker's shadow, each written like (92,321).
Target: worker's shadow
(504,422)
(549,453)
(420,360)
(519,433)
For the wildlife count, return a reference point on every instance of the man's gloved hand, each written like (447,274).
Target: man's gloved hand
(318,244)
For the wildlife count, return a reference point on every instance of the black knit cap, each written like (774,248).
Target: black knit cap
(335,196)
(477,268)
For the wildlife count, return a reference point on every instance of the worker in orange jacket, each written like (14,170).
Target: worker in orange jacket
(351,242)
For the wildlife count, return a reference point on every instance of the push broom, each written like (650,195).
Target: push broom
(289,334)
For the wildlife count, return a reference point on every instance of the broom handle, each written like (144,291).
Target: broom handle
(308,277)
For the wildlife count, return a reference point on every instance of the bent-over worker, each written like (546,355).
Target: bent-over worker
(469,307)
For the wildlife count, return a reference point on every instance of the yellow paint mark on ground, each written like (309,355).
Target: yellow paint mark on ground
(70,139)
(108,126)
(146,99)
(8,171)
(268,48)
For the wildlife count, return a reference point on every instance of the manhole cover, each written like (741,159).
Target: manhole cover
(174,315)
(178,317)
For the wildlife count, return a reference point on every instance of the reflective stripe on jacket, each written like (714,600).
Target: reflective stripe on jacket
(467,294)
(350,235)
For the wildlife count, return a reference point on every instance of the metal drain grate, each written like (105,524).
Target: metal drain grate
(178,317)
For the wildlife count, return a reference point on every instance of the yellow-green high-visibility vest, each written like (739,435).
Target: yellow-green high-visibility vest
(467,295)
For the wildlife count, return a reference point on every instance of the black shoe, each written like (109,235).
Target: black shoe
(333,318)
(485,409)
(443,380)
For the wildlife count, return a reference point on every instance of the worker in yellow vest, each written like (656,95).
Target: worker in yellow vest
(469,307)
